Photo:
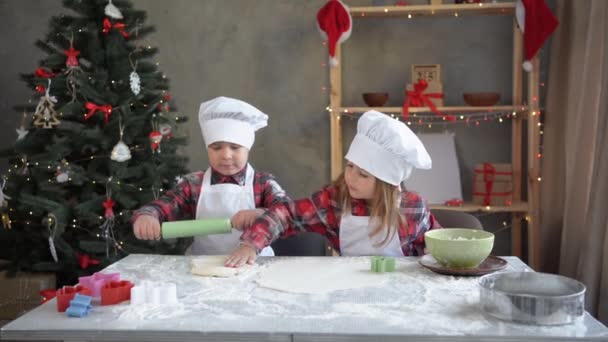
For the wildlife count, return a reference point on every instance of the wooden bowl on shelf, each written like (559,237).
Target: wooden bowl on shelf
(375,99)
(481,99)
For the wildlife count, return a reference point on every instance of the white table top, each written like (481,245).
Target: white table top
(415,304)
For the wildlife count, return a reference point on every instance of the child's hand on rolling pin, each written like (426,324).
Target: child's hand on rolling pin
(244,218)
(147,227)
(243,254)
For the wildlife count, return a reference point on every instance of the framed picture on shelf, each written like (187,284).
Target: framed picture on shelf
(431,73)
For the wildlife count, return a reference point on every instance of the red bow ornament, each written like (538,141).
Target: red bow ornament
(93,108)
(417,98)
(43,73)
(120,27)
(72,61)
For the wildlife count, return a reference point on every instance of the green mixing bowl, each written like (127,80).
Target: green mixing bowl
(459,247)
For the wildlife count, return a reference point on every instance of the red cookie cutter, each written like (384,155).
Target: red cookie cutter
(67,293)
(115,292)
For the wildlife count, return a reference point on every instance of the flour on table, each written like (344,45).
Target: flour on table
(213,266)
(319,275)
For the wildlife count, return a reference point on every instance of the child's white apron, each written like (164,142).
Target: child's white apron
(355,239)
(223,201)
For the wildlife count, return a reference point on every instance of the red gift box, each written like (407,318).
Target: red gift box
(493,184)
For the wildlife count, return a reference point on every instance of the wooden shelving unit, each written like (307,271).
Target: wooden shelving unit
(519,209)
(430,10)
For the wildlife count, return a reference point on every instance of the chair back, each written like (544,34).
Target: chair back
(456,219)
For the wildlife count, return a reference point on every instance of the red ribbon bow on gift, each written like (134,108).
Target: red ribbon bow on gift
(72,53)
(47,294)
(84,260)
(109,204)
(417,98)
(92,107)
(488,177)
(107,26)
(42,73)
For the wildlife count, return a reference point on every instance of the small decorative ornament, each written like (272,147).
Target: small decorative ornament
(21,132)
(112,11)
(40,89)
(108,204)
(62,175)
(72,58)
(45,115)
(166,130)
(24,170)
(135,82)
(134,79)
(121,151)
(73,66)
(107,228)
(155,138)
(164,105)
(51,223)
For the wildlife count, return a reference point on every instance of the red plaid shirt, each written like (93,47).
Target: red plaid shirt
(180,203)
(322,214)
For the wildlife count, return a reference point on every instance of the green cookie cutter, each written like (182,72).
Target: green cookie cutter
(382,264)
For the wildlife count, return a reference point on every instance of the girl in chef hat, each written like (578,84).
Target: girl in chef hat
(365,211)
(230,187)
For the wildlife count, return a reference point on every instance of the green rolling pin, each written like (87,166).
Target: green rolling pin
(190,228)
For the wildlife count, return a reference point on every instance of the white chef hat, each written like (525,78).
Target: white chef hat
(387,148)
(230,120)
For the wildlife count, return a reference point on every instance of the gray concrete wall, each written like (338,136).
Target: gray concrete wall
(269,53)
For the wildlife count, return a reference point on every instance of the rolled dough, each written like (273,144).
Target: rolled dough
(319,275)
(213,266)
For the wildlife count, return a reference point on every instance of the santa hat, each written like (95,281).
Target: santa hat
(537,22)
(230,120)
(387,148)
(335,24)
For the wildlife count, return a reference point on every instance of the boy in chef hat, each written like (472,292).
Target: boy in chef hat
(230,187)
(365,211)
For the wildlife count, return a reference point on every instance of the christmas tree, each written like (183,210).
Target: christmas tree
(101,142)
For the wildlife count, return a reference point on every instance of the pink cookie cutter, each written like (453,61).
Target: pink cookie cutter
(96,281)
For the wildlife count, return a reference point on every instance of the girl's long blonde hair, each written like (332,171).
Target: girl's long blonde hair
(384,206)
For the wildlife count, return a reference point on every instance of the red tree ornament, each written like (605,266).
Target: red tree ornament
(72,60)
(155,138)
(108,204)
